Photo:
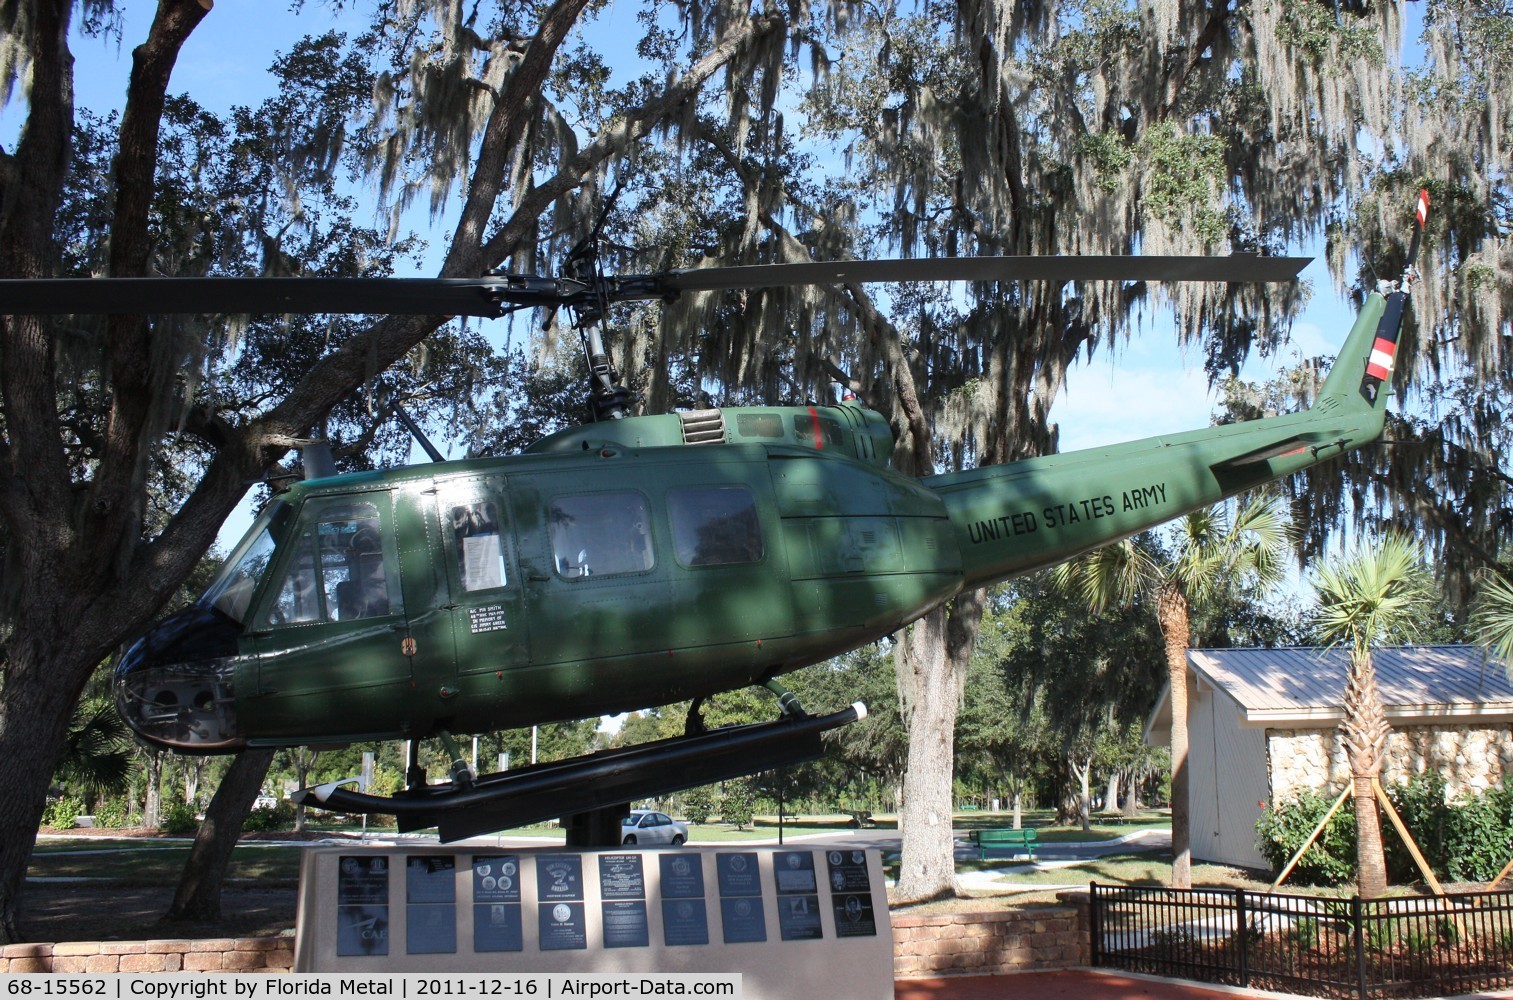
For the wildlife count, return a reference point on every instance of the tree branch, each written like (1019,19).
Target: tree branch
(635,124)
(506,123)
(135,367)
(30,190)
(1177,76)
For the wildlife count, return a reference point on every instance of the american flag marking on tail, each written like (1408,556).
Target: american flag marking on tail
(1380,363)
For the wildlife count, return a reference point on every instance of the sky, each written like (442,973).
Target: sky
(1143,388)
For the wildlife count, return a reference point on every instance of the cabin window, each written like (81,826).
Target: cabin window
(337,572)
(715,525)
(819,432)
(762,425)
(600,534)
(480,545)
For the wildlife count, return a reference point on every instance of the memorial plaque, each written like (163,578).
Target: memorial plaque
(560,926)
(625,924)
(848,871)
(362,879)
(739,874)
(431,929)
(362,930)
(743,919)
(559,877)
(430,878)
(621,877)
(362,905)
(799,918)
(496,927)
(496,878)
(431,913)
(682,876)
(684,921)
(853,915)
(794,872)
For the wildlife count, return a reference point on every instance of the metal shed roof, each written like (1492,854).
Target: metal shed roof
(1304,684)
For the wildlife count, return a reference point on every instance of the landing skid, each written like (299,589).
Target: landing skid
(594,781)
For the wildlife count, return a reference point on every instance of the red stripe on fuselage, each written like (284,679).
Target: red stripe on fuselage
(819,436)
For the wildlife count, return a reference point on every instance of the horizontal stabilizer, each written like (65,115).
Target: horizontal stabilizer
(1293,444)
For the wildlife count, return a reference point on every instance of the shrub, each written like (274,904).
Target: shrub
(1306,933)
(112,814)
(60,815)
(1418,942)
(1477,846)
(738,805)
(179,819)
(1463,841)
(698,804)
(278,817)
(1282,829)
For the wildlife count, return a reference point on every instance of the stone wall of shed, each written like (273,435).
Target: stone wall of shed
(1471,759)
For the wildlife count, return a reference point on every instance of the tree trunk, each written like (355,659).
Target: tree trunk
(192,769)
(33,724)
(1370,857)
(1132,798)
(1018,813)
(930,693)
(1111,796)
(1084,773)
(1366,729)
(1172,615)
(198,896)
(152,796)
(303,759)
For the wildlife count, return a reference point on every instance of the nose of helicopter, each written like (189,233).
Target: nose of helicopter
(174,685)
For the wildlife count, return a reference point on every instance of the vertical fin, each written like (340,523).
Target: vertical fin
(1379,353)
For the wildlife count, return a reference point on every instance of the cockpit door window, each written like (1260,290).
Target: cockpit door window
(336,571)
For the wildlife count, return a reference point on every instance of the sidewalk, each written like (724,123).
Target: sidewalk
(1054,855)
(1066,984)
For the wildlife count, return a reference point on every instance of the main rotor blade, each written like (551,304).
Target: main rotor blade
(1238,267)
(489,296)
(495,295)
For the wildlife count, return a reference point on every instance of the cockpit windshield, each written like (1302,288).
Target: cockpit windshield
(232,590)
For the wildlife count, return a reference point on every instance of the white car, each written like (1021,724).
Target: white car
(643,826)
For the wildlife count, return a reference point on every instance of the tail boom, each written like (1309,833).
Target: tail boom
(1017,518)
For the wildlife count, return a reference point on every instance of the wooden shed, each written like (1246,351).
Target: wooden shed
(1262,724)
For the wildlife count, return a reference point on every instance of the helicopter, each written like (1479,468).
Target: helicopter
(644,560)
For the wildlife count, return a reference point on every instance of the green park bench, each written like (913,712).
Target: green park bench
(1012,841)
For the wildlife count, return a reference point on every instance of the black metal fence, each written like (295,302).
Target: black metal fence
(1419,946)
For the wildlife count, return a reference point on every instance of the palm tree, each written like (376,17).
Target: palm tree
(1210,553)
(1492,620)
(97,758)
(1374,593)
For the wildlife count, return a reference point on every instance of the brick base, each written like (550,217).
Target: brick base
(272,954)
(1052,936)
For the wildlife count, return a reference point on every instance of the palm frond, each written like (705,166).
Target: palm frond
(1492,619)
(1380,589)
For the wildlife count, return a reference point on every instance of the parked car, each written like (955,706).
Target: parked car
(643,826)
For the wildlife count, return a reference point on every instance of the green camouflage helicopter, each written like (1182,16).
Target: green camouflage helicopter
(644,560)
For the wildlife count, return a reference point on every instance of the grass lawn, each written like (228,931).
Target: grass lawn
(137,862)
(149,861)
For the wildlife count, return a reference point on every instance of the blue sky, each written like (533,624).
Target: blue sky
(225,64)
